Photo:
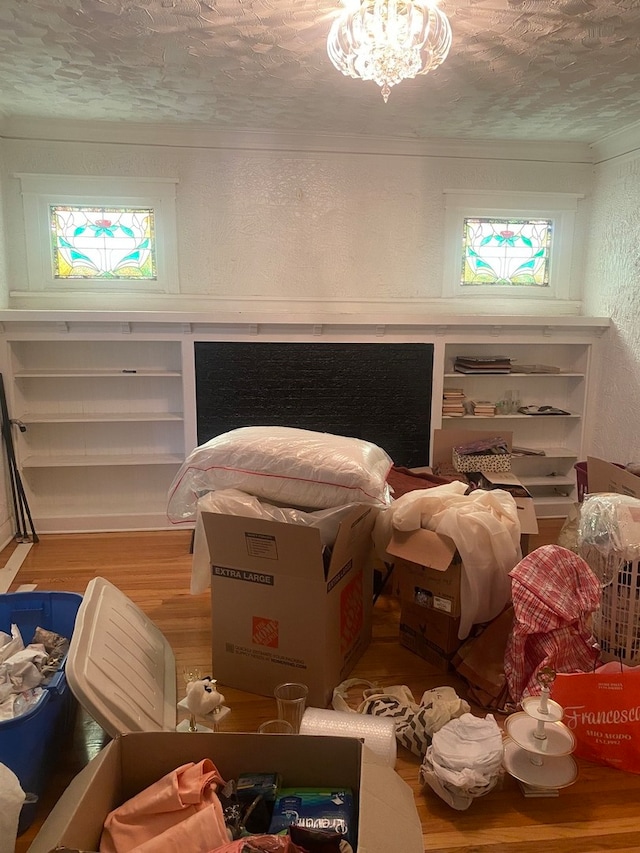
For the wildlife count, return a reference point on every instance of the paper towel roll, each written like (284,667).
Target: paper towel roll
(378,733)
(11,800)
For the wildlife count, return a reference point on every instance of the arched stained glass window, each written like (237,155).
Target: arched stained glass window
(506,251)
(91,242)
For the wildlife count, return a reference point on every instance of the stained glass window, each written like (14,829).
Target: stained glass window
(506,251)
(112,243)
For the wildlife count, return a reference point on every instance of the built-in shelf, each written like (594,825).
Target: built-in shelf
(560,436)
(94,458)
(103,431)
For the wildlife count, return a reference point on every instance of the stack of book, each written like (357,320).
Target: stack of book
(453,403)
(482,364)
(483,409)
(535,368)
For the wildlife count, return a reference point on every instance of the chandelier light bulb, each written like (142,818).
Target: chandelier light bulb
(388,41)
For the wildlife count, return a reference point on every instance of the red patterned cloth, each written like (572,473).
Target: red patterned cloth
(554,594)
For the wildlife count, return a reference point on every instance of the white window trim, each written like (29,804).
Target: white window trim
(559,207)
(41,191)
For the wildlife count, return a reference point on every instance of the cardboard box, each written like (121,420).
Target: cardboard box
(427,580)
(427,570)
(430,634)
(444,440)
(387,818)
(282,608)
(606,477)
(524,502)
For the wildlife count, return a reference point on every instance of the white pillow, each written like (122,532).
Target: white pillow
(293,467)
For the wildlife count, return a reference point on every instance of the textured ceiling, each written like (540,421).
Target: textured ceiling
(518,69)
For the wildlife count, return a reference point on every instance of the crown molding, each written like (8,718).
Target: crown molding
(625,143)
(208,137)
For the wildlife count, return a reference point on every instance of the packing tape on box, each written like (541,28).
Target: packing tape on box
(378,733)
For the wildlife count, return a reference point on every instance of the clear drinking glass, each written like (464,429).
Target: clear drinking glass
(291,699)
(275,727)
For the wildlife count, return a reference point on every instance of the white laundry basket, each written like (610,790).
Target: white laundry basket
(617,620)
(609,541)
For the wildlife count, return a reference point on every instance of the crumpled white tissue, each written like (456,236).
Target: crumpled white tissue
(20,673)
(11,799)
(464,760)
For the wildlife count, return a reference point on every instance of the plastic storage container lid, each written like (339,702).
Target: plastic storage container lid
(120,666)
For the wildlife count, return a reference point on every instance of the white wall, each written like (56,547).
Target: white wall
(5,522)
(612,288)
(298,230)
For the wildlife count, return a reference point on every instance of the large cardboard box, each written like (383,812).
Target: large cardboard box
(285,609)
(427,570)
(386,813)
(606,477)
(430,634)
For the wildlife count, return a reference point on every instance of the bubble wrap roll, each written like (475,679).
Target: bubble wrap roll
(378,733)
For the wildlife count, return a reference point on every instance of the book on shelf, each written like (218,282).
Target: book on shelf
(527,451)
(535,368)
(463,368)
(483,407)
(483,361)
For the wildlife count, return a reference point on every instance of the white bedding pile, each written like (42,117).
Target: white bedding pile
(287,466)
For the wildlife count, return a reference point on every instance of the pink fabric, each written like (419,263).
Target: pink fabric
(260,844)
(554,594)
(169,802)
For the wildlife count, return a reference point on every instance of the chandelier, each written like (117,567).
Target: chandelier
(388,41)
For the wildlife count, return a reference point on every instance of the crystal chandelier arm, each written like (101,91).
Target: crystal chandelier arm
(388,41)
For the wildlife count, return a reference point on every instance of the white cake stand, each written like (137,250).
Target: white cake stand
(538,746)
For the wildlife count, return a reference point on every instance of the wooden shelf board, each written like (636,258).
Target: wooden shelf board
(551,482)
(89,461)
(549,453)
(63,373)
(507,375)
(97,417)
(519,416)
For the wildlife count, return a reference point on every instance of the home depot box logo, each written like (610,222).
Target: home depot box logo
(351,612)
(265,632)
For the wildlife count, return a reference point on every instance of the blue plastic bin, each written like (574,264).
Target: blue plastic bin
(28,743)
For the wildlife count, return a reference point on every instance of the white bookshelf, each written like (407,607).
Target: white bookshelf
(108,399)
(551,478)
(102,430)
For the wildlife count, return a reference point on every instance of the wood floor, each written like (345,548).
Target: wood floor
(601,811)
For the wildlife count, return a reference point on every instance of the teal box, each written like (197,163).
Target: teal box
(317,809)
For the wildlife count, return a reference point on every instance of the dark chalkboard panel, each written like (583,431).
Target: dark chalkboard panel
(377,392)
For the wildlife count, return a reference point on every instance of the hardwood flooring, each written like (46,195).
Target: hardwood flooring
(601,811)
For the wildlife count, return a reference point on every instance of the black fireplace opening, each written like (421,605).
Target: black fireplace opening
(379,392)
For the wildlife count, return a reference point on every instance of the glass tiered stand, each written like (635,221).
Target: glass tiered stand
(538,746)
